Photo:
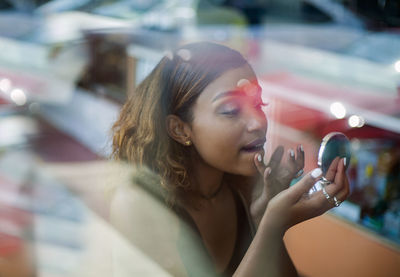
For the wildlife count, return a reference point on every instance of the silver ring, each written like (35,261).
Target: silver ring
(299,173)
(327,196)
(337,202)
(325,182)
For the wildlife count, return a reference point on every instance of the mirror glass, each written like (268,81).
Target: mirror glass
(333,145)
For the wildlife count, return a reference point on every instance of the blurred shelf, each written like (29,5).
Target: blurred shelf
(378,111)
(87,118)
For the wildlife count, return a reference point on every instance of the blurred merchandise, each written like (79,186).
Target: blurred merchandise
(375,177)
(120,57)
(391,220)
(16,227)
(128,9)
(37,213)
(45,54)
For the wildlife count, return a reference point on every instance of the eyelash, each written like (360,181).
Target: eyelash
(232,112)
(236,111)
(260,105)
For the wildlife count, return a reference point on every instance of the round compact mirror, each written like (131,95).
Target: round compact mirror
(333,145)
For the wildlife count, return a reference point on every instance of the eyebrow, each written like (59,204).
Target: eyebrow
(235,92)
(228,93)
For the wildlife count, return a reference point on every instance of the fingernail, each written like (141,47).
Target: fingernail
(344,161)
(291,153)
(268,171)
(301,148)
(316,172)
(259,158)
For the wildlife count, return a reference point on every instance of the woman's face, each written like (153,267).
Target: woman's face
(229,126)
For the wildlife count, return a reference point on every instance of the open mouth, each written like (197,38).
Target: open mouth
(254,146)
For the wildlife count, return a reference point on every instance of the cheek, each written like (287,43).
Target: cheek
(218,144)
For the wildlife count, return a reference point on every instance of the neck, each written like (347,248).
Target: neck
(208,181)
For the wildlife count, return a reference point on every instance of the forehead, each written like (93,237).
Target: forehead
(230,80)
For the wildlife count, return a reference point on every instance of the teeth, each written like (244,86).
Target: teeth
(254,147)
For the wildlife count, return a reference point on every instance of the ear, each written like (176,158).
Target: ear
(178,130)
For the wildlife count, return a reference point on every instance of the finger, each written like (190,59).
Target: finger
(338,182)
(305,184)
(340,174)
(321,202)
(332,190)
(276,158)
(258,161)
(345,191)
(300,157)
(341,182)
(335,191)
(295,163)
(291,161)
(291,156)
(266,174)
(326,198)
(330,174)
(266,188)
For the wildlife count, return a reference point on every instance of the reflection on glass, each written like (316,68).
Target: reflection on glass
(356,121)
(5,85)
(338,110)
(18,96)
(397,66)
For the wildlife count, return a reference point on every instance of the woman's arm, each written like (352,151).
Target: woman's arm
(285,262)
(271,185)
(267,254)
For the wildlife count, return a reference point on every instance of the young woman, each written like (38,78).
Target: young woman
(196,123)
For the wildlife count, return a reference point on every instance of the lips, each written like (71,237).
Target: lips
(254,146)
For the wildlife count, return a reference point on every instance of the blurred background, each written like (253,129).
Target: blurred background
(66,67)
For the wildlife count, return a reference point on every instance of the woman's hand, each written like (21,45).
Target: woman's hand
(276,178)
(294,205)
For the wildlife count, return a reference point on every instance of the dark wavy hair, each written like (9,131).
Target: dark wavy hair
(140,134)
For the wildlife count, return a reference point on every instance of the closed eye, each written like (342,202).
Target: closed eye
(231,112)
(230,109)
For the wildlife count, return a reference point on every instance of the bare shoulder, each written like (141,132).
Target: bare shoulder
(148,224)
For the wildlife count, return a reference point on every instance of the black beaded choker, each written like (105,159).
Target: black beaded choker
(213,195)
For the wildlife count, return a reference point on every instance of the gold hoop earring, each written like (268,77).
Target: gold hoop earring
(188,143)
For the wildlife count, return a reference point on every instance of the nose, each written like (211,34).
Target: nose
(256,121)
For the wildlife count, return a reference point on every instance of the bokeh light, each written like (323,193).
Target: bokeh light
(5,85)
(397,66)
(356,121)
(18,96)
(338,110)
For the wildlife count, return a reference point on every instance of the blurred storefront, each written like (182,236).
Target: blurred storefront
(67,66)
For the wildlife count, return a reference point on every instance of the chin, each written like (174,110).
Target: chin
(248,171)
